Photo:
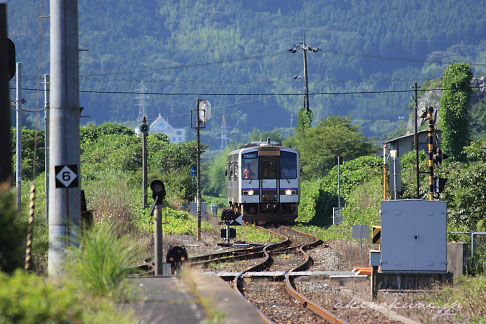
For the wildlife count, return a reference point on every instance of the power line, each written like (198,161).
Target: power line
(391,58)
(181,66)
(252,94)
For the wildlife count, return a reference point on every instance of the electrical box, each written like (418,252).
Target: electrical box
(413,236)
(375,258)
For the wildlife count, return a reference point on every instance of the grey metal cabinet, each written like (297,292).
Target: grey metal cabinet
(413,236)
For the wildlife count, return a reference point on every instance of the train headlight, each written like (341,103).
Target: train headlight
(289,192)
(251,192)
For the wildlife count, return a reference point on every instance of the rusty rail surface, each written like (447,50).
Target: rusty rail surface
(315,308)
(276,248)
(261,266)
(226,254)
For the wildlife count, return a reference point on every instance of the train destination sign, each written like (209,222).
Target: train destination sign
(66,176)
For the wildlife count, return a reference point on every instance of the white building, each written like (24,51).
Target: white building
(161,125)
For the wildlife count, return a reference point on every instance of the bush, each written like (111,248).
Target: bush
(318,196)
(103,262)
(12,239)
(27,299)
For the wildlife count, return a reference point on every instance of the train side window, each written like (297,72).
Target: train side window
(288,165)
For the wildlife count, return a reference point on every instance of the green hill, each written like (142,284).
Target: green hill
(209,47)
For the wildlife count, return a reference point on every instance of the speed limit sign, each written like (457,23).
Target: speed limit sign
(66,176)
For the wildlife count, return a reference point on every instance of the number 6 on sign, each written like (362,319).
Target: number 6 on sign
(66,176)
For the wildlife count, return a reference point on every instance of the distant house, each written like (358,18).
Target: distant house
(161,125)
(405,144)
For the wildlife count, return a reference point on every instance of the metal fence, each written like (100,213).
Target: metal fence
(477,246)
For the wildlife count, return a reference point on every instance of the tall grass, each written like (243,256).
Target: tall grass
(101,264)
(469,293)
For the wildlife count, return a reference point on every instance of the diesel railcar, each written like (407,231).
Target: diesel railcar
(263,182)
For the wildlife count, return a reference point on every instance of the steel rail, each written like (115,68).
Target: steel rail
(215,256)
(248,256)
(315,308)
(262,265)
(273,248)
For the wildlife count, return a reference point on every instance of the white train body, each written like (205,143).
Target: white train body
(263,182)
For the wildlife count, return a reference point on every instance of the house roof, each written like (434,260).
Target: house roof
(410,135)
(160,124)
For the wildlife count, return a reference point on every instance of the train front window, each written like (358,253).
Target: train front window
(269,169)
(288,165)
(249,166)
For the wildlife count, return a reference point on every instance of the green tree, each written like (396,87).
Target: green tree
(465,188)
(478,119)
(274,135)
(454,109)
(32,142)
(304,121)
(332,137)
(214,175)
(90,133)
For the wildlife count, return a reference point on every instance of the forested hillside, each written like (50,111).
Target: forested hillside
(184,49)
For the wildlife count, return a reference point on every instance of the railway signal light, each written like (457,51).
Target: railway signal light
(438,157)
(158,191)
(144,128)
(232,233)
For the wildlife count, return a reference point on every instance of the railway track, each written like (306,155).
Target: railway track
(277,301)
(278,293)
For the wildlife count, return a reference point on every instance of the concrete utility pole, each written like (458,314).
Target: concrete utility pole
(339,181)
(430,142)
(198,170)
(46,139)
(64,180)
(304,48)
(18,125)
(415,139)
(158,238)
(5,148)
(144,164)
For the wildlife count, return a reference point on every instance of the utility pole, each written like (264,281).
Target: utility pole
(203,113)
(5,148)
(224,138)
(291,123)
(46,140)
(415,139)
(304,47)
(430,141)
(158,238)
(198,170)
(384,171)
(18,144)
(144,163)
(64,162)
(339,181)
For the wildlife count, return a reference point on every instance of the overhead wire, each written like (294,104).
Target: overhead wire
(253,94)
(392,58)
(180,66)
